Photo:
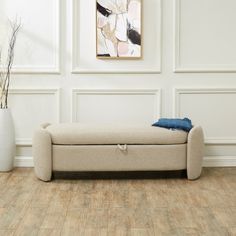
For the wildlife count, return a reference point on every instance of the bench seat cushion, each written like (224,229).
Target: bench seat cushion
(87,134)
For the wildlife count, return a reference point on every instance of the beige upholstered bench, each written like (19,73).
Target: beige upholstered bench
(88,147)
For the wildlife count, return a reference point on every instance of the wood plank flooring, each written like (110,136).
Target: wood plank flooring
(118,207)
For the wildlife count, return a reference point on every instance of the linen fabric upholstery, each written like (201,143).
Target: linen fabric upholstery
(80,147)
(111,158)
(195,151)
(42,153)
(82,134)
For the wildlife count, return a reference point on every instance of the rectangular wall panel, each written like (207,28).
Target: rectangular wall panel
(116,106)
(210,108)
(38,42)
(205,36)
(30,108)
(84,41)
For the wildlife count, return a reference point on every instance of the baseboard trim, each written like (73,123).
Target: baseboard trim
(22,161)
(219,161)
(209,161)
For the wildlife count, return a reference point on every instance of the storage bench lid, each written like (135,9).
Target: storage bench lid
(82,134)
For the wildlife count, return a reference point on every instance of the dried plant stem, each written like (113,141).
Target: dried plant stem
(5,76)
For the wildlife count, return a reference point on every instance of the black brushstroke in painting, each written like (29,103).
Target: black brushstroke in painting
(104,11)
(134,36)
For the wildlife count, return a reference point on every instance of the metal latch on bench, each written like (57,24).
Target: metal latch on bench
(122,147)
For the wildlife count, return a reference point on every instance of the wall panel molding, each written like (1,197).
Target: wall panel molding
(50,69)
(79,92)
(194,68)
(27,141)
(78,69)
(177,92)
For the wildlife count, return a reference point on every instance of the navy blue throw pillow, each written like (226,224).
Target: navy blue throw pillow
(182,124)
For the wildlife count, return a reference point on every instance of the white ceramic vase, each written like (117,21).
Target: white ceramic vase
(7,140)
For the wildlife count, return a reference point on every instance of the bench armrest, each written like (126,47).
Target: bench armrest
(195,150)
(42,153)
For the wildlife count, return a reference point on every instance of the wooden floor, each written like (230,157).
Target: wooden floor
(118,207)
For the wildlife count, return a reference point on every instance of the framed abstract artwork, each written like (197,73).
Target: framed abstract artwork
(119,29)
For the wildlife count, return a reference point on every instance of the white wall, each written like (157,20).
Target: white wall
(188,69)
